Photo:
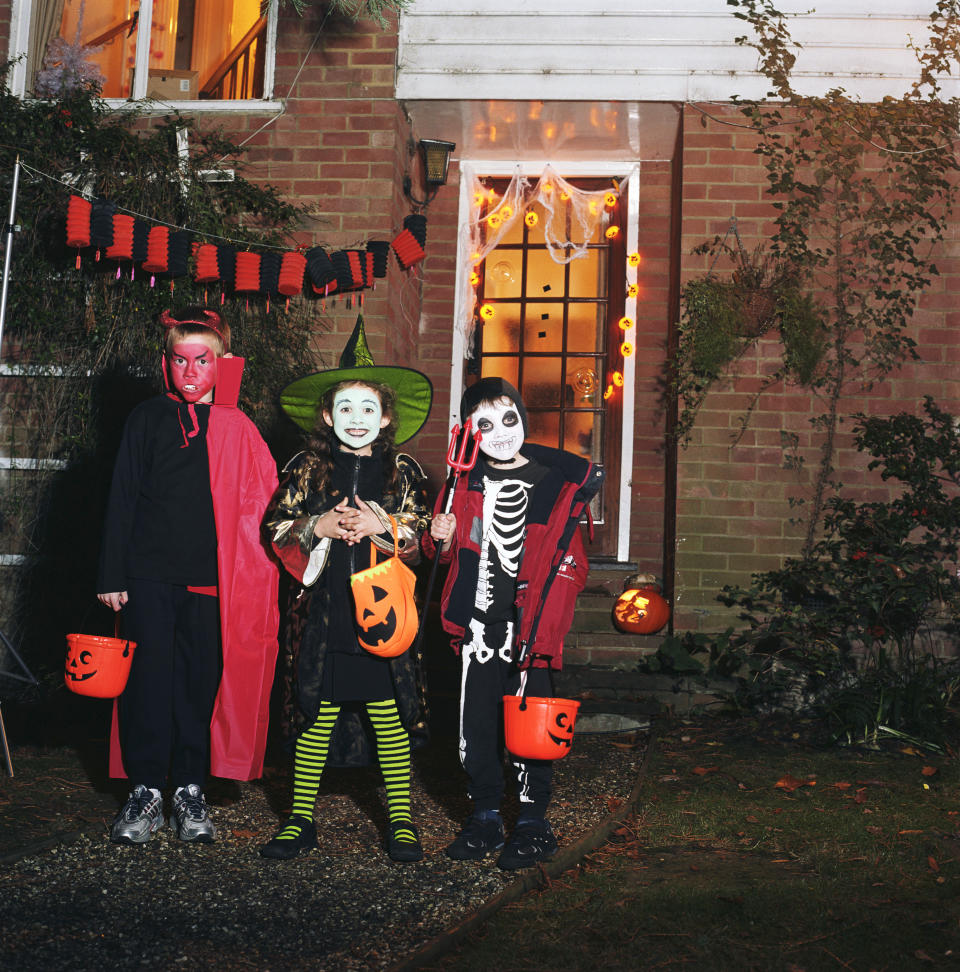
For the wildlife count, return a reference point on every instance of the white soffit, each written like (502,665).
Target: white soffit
(566,131)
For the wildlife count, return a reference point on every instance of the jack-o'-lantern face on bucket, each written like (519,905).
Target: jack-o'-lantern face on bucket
(561,734)
(79,664)
(539,728)
(384,608)
(375,614)
(97,665)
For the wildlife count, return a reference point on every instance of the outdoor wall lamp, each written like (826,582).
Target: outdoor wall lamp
(436,160)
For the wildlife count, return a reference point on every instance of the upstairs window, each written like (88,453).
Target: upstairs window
(167,50)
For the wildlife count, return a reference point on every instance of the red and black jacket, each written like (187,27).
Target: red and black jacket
(553,568)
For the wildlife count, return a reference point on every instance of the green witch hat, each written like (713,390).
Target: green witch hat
(301,399)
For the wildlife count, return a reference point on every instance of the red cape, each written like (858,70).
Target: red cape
(243,478)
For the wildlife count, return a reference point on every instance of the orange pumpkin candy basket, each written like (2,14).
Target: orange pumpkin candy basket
(97,666)
(537,727)
(384,605)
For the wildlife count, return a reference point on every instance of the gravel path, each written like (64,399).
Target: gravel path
(85,903)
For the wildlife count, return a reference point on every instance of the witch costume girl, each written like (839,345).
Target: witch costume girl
(349,490)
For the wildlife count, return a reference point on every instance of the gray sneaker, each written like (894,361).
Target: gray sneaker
(190,817)
(140,818)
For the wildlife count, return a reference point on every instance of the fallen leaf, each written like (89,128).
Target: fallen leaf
(929,771)
(244,834)
(703,770)
(871,829)
(791,783)
(900,833)
(932,862)
(752,819)
(841,786)
(861,795)
(921,956)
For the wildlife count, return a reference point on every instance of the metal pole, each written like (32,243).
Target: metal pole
(8,251)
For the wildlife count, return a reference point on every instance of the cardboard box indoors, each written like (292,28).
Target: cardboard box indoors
(170,84)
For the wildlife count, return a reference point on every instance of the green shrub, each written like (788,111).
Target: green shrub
(863,629)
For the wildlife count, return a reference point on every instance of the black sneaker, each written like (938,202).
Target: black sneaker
(530,843)
(297,834)
(404,850)
(478,838)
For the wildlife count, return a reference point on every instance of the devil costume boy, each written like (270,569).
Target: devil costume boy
(517,563)
(351,473)
(182,556)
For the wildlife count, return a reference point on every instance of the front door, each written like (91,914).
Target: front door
(551,329)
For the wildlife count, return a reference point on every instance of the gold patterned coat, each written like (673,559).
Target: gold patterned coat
(314,567)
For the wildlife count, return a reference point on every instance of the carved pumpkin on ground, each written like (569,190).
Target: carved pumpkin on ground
(384,607)
(539,728)
(640,609)
(97,666)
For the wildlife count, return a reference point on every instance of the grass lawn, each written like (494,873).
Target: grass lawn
(753,847)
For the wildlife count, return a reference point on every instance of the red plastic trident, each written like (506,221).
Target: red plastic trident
(459,462)
(457,456)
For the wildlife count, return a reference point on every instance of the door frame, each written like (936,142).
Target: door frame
(501,169)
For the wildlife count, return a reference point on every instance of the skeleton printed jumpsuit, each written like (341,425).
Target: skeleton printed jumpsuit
(488,653)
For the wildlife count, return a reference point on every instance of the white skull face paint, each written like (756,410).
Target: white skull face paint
(357,416)
(501,428)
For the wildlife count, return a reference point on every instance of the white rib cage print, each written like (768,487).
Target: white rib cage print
(504,518)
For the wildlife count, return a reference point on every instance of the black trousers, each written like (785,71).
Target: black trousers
(165,709)
(488,673)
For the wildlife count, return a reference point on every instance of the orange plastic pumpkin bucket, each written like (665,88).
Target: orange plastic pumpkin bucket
(97,666)
(539,728)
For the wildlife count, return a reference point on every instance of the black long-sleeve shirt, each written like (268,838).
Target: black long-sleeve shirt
(159,523)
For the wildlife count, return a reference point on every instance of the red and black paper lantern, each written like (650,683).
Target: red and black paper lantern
(158,250)
(293,267)
(417,224)
(122,246)
(101,223)
(270,273)
(348,267)
(247,272)
(141,240)
(408,246)
(78,223)
(380,250)
(206,267)
(179,251)
(323,276)
(227,263)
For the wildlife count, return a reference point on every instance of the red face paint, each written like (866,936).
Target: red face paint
(192,366)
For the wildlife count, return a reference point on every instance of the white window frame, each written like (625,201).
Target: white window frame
(21,15)
(569,170)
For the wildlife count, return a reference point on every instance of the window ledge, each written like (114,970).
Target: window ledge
(194,105)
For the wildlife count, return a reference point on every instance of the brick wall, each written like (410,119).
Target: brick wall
(733,512)
(341,148)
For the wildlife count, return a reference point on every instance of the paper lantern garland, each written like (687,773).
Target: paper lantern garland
(174,253)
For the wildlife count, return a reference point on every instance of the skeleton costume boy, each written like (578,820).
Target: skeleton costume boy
(517,565)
